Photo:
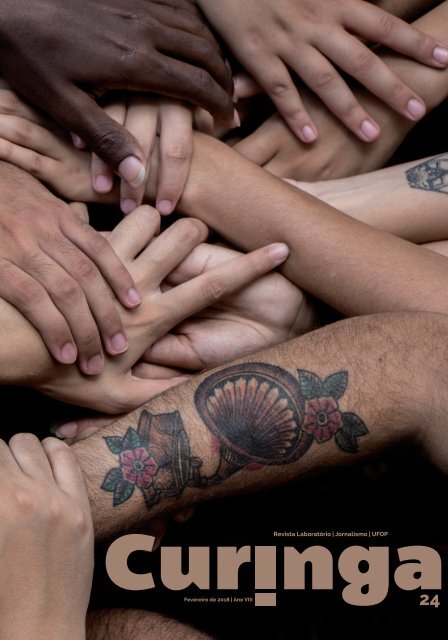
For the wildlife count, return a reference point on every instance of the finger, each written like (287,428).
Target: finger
(30,161)
(202,53)
(82,293)
(83,428)
(8,464)
(246,87)
(175,351)
(382,27)
(65,275)
(30,456)
(175,152)
(208,288)
(77,142)
(135,232)
(203,258)
(362,64)
(203,121)
(169,249)
(11,104)
(317,72)
(141,120)
(104,259)
(79,113)
(66,470)
(150,371)
(102,176)
(262,145)
(33,301)
(274,77)
(31,136)
(194,84)
(80,210)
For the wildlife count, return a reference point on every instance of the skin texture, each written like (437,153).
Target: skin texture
(130,624)
(55,269)
(46,541)
(144,118)
(309,37)
(390,364)
(142,45)
(119,389)
(407,200)
(336,154)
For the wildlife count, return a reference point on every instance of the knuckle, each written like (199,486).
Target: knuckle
(30,293)
(79,520)
(387,24)
(9,102)
(22,502)
(324,80)
(213,289)
(84,269)
(397,93)
(280,88)
(177,154)
(6,149)
(190,230)
(108,140)
(89,341)
(203,81)
(363,63)
(67,289)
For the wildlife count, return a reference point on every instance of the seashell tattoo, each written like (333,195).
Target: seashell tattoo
(259,414)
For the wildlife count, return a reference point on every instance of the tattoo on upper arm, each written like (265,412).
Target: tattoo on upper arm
(431,175)
(258,414)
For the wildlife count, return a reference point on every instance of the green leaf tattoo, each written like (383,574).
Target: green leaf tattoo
(258,414)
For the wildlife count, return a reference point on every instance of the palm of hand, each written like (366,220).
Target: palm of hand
(267,312)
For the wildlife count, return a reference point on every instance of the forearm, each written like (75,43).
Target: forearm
(253,428)
(333,257)
(408,201)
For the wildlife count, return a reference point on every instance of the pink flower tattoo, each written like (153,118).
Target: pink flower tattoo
(138,467)
(322,418)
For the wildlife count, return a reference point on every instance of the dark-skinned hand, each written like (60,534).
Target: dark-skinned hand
(57,53)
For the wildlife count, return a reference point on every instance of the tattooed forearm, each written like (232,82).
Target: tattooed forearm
(431,175)
(258,414)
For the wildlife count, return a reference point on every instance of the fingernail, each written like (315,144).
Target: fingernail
(68,353)
(165,207)
(309,133)
(134,298)
(77,141)
(440,55)
(236,118)
(68,430)
(103,184)
(119,343)
(95,365)
(132,170)
(416,109)
(279,252)
(128,206)
(370,130)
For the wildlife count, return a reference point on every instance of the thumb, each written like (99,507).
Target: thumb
(79,113)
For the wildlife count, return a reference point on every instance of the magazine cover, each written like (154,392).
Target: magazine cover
(223,308)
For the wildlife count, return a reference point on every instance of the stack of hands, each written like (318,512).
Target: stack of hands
(104,108)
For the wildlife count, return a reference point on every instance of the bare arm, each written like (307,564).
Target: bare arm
(332,256)
(408,200)
(329,398)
